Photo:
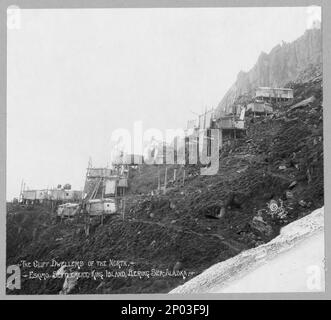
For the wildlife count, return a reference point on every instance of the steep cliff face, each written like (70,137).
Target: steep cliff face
(284,63)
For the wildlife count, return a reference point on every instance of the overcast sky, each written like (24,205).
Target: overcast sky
(76,75)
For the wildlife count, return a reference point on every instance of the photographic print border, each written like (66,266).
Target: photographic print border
(44,4)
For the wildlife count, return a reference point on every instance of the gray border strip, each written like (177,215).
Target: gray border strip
(326,18)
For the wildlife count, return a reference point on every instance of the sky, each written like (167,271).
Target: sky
(76,75)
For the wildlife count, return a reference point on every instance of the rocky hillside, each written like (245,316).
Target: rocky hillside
(177,233)
(283,64)
(286,260)
(267,179)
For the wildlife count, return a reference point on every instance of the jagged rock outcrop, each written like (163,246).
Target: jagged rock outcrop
(283,64)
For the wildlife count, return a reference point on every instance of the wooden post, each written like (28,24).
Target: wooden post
(158,179)
(102,196)
(175,174)
(123,209)
(87,225)
(21,192)
(87,229)
(165,179)
(102,188)
(220,138)
(184,177)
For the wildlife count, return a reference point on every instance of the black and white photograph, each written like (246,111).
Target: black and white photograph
(164,150)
